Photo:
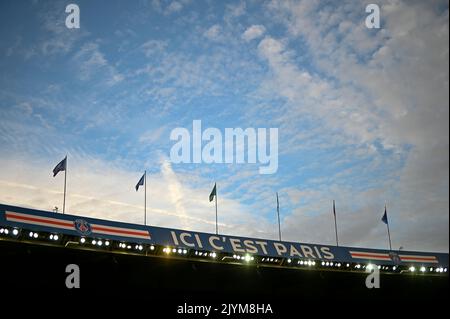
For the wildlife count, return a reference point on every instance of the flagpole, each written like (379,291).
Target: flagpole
(65,183)
(335,224)
(389,233)
(217,229)
(145,197)
(278,213)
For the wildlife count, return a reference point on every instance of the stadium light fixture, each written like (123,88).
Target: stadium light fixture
(423,269)
(412,269)
(15,232)
(83,240)
(152,247)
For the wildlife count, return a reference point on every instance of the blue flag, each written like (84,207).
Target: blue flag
(140,183)
(384,219)
(60,167)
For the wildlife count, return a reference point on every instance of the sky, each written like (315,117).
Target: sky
(362,114)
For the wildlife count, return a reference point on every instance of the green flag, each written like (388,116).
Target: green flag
(213,193)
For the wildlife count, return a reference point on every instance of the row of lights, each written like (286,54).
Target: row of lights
(271,260)
(33,235)
(5,231)
(99,242)
(306,263)
(247,257)
(332,264)
(431,269)
(179,251)
(205,254)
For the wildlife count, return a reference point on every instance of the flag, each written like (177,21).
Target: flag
(60,167)
(278,204)
(384,219)
(334,210)
(140,183)
(213,193)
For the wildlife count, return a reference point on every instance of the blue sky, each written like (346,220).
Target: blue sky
(362,114)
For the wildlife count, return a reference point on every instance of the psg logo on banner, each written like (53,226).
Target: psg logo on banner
(82,226)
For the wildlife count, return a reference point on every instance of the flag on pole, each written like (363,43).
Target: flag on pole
(140,183)
(213,193)
(384,219)
(278,204)
(335,223)
(334,210)
(60,167)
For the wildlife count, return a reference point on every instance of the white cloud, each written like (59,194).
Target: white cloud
(389,86)
(153,136)
(174,6)
(213,33)
(154,48)
(253,32)
(90,63)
